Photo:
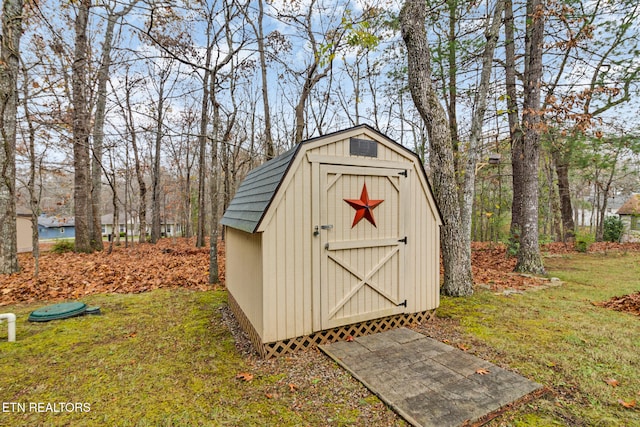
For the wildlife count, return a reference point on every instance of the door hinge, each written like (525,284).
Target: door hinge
(403,303)
(403,240)
(404,173)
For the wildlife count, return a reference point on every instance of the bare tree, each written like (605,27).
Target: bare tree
(98,124)
(164,73)
(81,124)
(34,183)
(127,110)
(260,41)
(323,41)
(477,120)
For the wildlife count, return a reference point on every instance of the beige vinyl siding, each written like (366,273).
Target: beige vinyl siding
(424,260)
(287,241)
(244,273)
(290,277)
(24,230)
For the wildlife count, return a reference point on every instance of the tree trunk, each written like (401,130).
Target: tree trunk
(142,186)
(302,102)
(213,189)
(9,69)
(515,130)
(81,124)
(526,154)
(457,264)
(98,135)
(98,128)
(564,192)
(452,90)
(35,173)
(268,139)
(202,163)
(155,176)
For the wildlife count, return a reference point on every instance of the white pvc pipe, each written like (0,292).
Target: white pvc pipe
(11,319)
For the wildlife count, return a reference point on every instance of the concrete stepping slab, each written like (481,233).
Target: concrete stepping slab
(428,382)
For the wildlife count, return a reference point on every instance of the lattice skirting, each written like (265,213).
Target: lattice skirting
(278,348)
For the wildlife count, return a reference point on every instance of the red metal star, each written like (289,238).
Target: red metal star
(364,207)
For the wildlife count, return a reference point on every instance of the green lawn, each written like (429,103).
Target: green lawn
(166,358)
(558,338)
(163,358)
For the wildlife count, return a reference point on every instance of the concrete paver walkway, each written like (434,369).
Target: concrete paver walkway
(427,382)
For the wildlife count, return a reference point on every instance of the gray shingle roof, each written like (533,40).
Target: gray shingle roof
(256,192)
(54,221)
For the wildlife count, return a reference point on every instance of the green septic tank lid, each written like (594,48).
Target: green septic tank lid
(92,310)
(58,311)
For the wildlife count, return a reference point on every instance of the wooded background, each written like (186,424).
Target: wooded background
(154,111)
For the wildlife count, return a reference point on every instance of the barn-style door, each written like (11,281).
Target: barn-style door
(362,240)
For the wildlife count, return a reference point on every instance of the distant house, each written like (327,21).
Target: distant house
(24,228)
(108,226)
(629,213)
(168,228)
(51,227)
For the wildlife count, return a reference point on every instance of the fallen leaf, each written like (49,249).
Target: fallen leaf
(482,371)
(269,395)
(292,387)
(627,405)
(349,338)
(463,347)
(244,376)
(612,382)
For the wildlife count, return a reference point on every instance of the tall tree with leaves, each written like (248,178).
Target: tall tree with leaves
(457,270)
(525,151)
(9,70)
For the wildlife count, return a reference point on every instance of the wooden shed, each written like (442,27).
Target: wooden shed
(629,214)
(338,236)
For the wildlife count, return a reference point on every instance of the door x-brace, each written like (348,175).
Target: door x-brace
(364,280)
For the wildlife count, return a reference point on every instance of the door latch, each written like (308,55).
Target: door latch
(316,229)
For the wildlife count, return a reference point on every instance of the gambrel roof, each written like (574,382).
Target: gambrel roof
(257,191)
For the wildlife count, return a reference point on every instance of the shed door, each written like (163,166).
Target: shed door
(362,237)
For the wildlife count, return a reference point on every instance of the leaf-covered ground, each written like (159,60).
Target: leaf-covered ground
(493,270)
(172,263)
(177,263)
